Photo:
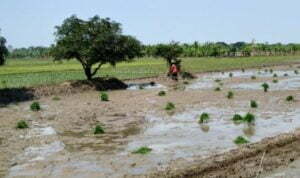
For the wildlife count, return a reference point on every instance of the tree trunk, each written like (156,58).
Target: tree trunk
(88,72)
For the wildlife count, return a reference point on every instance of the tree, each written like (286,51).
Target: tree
(96,41)
(170,52)
(3,50)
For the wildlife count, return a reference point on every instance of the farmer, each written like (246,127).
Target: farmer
(174,71)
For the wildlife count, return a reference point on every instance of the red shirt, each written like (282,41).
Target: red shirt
(174,69)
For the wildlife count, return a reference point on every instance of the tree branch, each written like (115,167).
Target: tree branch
(98,67)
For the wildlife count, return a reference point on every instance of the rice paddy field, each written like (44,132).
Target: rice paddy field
(33,72)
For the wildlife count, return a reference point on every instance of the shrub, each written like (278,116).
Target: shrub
(253,77)
(265,87)
(230,74)
(253,104)
(142,150)
(249,118)
(289,98)
(56,98)
(162,93)
(35,106)
(169,106)
(240,140)
(230,95)
(217,89)
(98,130)
(275,81)
(204,117)
(22,125)
(237,118)
(218,80)
(104,96)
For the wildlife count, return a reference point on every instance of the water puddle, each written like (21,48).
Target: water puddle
(290,81)
(145,86)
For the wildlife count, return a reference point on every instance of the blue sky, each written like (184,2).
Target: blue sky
(31,22)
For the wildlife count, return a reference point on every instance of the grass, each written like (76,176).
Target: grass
(253,104)
(98,130)
(217,89)
(230,95)
(170,106)
(240,140)
(104,96)
(290,98)
(35,106)
(265,87)
(56,98)
(142,150)
(22,125)
(33,72)
(204,117)
(162,93)
(249,118)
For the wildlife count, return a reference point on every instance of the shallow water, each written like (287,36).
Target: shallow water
(145,86)
(208,81)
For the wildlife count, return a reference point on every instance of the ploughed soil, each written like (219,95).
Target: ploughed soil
(73,113)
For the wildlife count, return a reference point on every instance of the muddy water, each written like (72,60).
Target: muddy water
(171,137)
(287,80)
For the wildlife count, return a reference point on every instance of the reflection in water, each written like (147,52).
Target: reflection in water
(204,127)
(249,130)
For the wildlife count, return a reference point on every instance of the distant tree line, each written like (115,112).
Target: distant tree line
(30,52)
(222,49)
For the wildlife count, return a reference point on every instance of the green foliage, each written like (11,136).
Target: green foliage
(170,106)
(56,98)
(237,118)
(230,95)
(96,41)
(249,118)
(98,130)
(162,93)
(243,70)
(30,52)
(296,72)
(170,52)
(3,50)
(104,96)
(217,89)
(204,117)
(35,106)
(275,81)
(265,87)
(230,74)
(275,75)
(271,70)
(253,104)
(218,80)
(142,150)
(253,77)
(186,75)
(290,98)
(240,140)
(22,125)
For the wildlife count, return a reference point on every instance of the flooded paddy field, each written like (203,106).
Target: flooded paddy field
(60,140)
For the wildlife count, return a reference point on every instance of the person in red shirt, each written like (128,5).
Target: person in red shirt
(174,71)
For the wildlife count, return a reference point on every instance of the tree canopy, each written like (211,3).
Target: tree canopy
(170,52)
(96,41)
(3,50)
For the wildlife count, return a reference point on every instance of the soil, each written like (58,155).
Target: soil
(60,141)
